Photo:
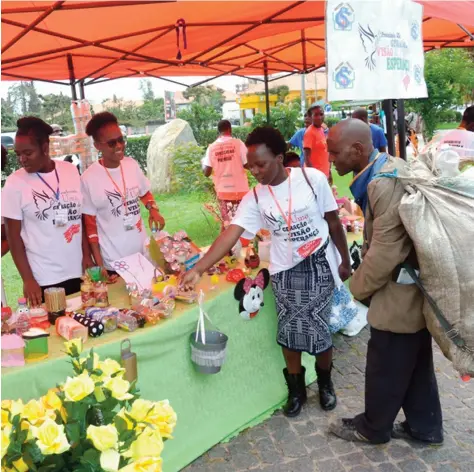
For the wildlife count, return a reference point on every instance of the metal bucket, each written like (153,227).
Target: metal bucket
(208,358)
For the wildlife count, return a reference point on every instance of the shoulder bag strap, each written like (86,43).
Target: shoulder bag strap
(255,195)
(309,183)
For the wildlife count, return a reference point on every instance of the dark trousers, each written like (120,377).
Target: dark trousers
(400,374)
(70,286)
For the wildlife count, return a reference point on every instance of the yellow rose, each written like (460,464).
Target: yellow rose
(103,437)
(146,464)
(5,439)
(81,363)
(141,410)
(109,460)
(110,367)
(148,444)
(51,401)
(18,466)
(15,407)
(36,413)
(74,347)
(78,387)
(51,438)
(164,417)
(119,388)
(121,414)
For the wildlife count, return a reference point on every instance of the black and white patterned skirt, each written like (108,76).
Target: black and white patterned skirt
(304,299)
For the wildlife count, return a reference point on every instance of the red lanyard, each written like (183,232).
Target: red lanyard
(290,205)
(124,194)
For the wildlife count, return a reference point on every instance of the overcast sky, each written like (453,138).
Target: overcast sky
(126,88)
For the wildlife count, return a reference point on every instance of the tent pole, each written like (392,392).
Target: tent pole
(82,94)
(72,78)
(267,96)
(303,94)
(402,138)
(388,110)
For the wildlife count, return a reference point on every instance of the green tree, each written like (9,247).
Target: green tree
(201,119)
(9,117)
(24,99)
(56,108)
(207,96)
(282,91)
(284,117)
(146,87)
(449,79)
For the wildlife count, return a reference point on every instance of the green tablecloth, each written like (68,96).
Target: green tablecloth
(210,408)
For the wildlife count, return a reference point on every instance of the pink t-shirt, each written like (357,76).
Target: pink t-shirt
(227,157)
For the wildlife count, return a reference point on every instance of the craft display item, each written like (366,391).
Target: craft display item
(129,361)
(36,344)
(141,318)
(214,281)
(152,315)
(87,293)
(55,301)
(127,322)
(101,294)
(252,261)
(39,318)
(165,308)
(231,262)
(6,316)
(69,329)
(249,293)
(235,275)
(22,324)
(107,316)
(186,297)
(94,328)
(159,286)
(179,252)
(12,347)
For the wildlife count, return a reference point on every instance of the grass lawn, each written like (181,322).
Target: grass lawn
(442,126)
(180,211)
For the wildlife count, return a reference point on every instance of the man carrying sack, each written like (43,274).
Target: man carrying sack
(400,372)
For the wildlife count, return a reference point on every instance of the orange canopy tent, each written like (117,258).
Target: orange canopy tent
(105,40)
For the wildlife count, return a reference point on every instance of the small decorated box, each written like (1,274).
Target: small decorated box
(69,329)
(12,350)
(36,344)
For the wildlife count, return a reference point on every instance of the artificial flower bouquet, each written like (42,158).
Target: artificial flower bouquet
(93,422)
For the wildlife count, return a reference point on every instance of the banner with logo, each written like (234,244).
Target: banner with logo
(374,50)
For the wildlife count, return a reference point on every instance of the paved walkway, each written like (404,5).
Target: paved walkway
(303,444)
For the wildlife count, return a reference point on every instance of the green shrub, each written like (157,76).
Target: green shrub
(137,148)
(331,120)
(186,170)
(11,166)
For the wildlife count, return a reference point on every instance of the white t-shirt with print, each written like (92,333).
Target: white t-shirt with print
(103,200)
(309,229)
(54,252)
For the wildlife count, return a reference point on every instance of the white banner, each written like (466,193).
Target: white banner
(374,50)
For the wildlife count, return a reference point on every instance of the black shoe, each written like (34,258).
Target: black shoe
(403,431)
(296,393)
(327,395)
(344,428)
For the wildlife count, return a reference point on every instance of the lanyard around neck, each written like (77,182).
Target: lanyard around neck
(55,193)
(122,194)
(290,205)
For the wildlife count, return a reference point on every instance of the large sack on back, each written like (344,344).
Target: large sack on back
(438,214)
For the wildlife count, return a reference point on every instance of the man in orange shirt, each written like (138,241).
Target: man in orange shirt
(314,143)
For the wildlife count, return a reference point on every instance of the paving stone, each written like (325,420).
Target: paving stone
(332,465)
(444,468)
(376,453)
(398,451)
(412,465)
(339,446)
(387,467)
(356,458)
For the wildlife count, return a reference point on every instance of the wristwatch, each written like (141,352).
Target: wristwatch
(151,205)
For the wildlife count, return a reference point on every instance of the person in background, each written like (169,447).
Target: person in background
(299,209)
(226,160)
(343,113)
(400,371)
(112,188)
(5,247)
(291,159)
(297,139)
(42,207)
(370,113)
(467,122)
(314,143)
(378,137)
(57,130)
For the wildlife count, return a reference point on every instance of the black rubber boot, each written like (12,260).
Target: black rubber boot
(296,393)
(327,395)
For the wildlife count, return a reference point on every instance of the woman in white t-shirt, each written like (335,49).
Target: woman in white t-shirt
(299,209)
(112,189)
(42,207)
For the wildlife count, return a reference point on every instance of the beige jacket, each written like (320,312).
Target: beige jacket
(393,307)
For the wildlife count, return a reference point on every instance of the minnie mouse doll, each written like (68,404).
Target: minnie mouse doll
(249,293)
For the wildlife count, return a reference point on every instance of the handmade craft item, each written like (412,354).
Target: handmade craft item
(87,293)
(101,294)
(127,322)
(69,329)
(6,316)
(249,293)
(129,361)
(39,318)
(12,347)
(95,328)
(235,275)
(55,300)
(186,297)
(252,261)
(36,344)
